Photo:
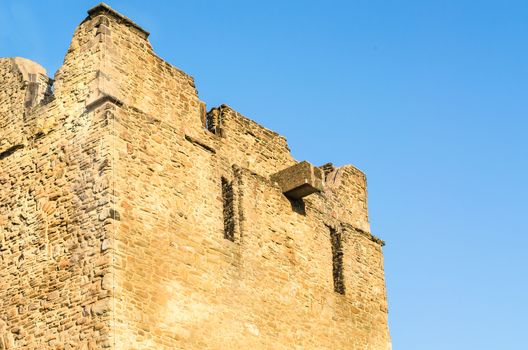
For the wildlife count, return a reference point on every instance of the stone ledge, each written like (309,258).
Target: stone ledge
(91,105)
(299,180)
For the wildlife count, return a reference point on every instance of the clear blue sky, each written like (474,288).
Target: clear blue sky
(429,98)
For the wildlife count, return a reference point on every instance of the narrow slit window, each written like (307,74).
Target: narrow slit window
(228,208)
(337,261)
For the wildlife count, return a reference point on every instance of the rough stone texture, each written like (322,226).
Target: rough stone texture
(132,219)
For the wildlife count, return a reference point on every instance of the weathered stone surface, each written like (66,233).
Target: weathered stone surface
(132,219)
(299,180)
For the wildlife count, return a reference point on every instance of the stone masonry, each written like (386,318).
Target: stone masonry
(131,218)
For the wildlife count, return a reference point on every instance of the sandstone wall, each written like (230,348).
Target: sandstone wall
(131,219)
(181,283)
(53,256)
(247,143)
(55,196)
(131,72)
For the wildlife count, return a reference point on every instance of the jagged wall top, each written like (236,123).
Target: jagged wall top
(110,57)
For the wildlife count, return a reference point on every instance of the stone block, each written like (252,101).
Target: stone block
(299,180)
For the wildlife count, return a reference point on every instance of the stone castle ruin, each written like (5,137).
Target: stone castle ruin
(131,218)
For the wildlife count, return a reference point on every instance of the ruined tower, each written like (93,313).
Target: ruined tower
(131,218)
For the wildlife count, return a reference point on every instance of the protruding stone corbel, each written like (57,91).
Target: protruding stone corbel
(299,180)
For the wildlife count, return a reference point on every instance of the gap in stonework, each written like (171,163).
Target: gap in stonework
(337,261)
(228,209)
